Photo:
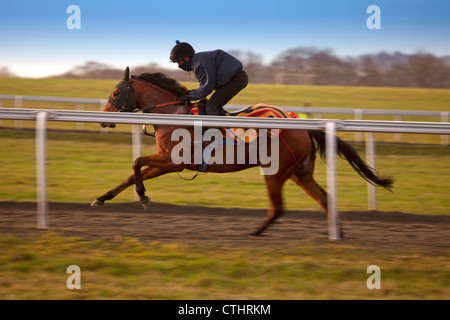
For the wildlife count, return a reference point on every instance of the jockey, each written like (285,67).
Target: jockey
(215,70)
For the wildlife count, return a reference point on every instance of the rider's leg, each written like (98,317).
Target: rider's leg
(225,93)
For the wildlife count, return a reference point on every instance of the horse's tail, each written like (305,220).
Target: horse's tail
(346,151)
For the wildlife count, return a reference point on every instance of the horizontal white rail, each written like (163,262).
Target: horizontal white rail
(235,122)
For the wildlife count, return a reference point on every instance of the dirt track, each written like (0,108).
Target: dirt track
(227,226)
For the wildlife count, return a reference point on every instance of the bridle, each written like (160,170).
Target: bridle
(126,106)
(161,105)
(132,106)
(166,104)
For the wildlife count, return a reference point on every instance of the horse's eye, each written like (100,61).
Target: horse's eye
(116,93)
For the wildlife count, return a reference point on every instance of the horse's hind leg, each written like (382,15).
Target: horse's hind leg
(274,188)
(147,173)
(311,187)
(306,180)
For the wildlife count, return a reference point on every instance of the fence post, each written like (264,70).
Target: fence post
(136,140)
(80,125)
(358,116)
(370,158)
(102,103)
(18,103)
(41,170)
(137,146)
(444,137)
(398,136)
(334,232)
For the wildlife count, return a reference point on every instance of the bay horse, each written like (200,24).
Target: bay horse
(156,93)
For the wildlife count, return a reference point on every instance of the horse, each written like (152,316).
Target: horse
(157,93)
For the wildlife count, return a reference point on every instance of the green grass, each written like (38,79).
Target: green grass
(35,268)
(347,97)
(317,96)
(82,167)
(76,88)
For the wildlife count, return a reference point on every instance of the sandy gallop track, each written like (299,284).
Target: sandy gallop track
(227,226)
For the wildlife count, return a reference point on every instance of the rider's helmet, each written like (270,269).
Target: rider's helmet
(180,51)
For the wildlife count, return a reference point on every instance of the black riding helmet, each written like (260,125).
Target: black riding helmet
(180,51)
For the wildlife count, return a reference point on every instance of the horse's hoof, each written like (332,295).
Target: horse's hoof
(145,203)
(97,203)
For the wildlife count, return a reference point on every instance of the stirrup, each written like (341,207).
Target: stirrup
(203,168)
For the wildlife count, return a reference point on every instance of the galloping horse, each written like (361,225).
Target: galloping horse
(156,93)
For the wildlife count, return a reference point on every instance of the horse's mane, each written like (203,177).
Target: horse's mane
(161,80)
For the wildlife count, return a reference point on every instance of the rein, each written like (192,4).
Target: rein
(161,105)
(126,107)
(147,109)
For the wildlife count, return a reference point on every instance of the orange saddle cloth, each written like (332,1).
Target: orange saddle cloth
(248,135)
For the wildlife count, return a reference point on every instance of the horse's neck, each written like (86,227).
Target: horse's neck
(152,95)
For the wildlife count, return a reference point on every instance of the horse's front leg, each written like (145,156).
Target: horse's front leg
(147,173)
(161,161)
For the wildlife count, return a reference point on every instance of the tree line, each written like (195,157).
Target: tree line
(320,66)
(422,70)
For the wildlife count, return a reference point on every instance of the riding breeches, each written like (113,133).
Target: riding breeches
(225,93)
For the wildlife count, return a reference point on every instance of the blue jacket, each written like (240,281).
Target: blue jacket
(212,69)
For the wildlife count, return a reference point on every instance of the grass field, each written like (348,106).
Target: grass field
(130,269)
(103,161)
(35,267)
(317,96)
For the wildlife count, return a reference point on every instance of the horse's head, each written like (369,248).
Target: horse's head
(149,92)
(122,98)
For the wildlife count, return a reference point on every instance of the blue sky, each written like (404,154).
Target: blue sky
(35,41)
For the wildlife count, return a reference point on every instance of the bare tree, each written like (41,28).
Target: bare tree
(320,66)
(6,73)
(370,74)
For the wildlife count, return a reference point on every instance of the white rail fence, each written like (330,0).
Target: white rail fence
(330,126)
(357,113)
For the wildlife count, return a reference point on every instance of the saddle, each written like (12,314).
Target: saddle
(247,135)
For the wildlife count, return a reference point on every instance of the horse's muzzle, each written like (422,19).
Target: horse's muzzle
(108,125)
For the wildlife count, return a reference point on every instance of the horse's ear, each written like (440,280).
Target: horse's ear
(126,74)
